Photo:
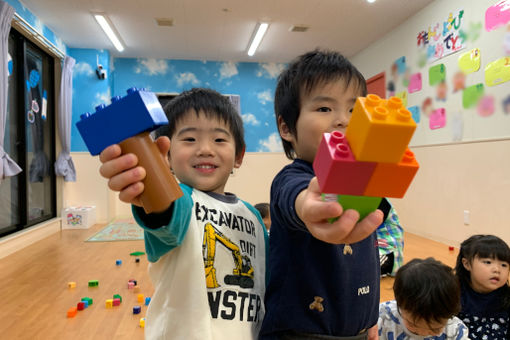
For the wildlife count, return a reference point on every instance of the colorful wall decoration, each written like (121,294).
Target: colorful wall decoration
(442,38)
(453,97)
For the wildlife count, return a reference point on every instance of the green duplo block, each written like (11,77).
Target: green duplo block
(93,283)
(117,296)
(363,204)
(89,300)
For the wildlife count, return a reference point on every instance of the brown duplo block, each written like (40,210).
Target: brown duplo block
(161,188)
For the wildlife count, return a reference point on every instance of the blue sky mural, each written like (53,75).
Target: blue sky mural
(253,82)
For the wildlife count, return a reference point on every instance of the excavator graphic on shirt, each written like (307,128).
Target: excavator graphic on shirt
(242,273)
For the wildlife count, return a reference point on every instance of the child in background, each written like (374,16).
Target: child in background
(427,297)
(314,289)
(390,239)
(482,268)
(208,249)
(263,209)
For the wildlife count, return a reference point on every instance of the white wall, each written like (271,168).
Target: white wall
(251,183)
(453,177)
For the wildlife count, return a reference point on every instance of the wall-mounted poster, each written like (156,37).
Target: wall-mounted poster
(442,37)
(497,15)
(414,83)
(469,62)
(437,74)
(471,95)
(437,119)
(497,72)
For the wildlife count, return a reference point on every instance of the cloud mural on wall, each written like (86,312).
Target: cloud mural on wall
(83,68)
(102,98)
(239,78)
(187,78)
(273,143)
(250,119)
(265,97)
(228,70)
(152,66)
(270,70)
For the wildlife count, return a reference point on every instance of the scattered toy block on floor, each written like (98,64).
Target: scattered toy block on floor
(109,303)
(117,296)
(93,283)
(89,300)
(137,309)
(71,284)
(71,312)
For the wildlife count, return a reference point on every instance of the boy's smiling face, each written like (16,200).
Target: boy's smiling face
(203,152)
(326,108)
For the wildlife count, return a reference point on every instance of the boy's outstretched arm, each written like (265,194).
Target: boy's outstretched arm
(315,212)
(123,173)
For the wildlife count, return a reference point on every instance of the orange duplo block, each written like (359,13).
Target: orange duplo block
(140,297)
(71,312)
(379,130)
(336,169)
(393,179)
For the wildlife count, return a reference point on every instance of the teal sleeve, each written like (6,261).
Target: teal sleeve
(266,236)
(160,241)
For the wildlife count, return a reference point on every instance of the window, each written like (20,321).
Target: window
(30,197)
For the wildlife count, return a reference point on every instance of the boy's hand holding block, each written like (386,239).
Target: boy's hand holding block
(127,121)
(372,160)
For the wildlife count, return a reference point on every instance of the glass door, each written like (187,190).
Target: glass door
(29,197)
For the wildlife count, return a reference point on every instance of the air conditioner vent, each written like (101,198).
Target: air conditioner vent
(299,28)
(165,22)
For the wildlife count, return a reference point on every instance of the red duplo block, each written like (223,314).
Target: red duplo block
(336,168)
(392,179)
(81,305)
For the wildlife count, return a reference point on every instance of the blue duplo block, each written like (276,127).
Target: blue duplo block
(125,117)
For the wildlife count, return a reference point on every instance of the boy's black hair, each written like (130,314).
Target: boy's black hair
(427,289)
(263,209)
(483,246)
(302,75)
(209,102)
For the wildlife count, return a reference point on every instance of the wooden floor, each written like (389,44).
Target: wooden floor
(34,296)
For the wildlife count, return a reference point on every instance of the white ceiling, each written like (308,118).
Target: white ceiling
(220,29)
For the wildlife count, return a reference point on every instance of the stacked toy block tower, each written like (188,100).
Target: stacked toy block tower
(128,121)
(372,160)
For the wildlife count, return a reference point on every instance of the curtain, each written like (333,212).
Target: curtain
(8,167)
(64,165)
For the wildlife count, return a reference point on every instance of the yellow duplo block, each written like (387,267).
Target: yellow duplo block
(71,284)
(142,322)
(109,303)
(140,297)
(379,130)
